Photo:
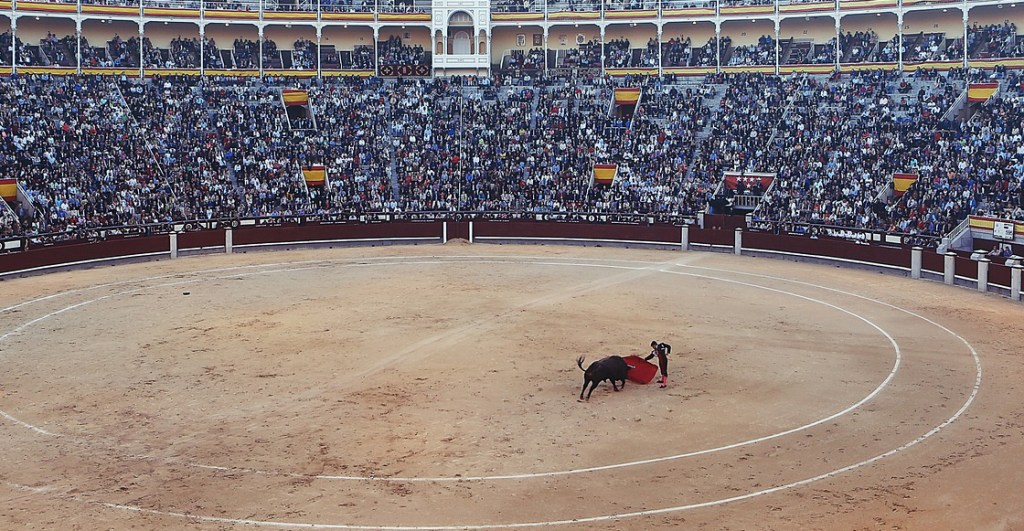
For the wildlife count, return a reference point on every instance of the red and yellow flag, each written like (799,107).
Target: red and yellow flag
(9,189)
(627,96)
(981,91)
(605,173)
(902,181)
(294,97)
(314,175)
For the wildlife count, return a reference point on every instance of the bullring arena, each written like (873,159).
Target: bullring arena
(434,387)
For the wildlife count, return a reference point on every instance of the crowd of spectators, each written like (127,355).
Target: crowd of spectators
(246,53)
(59,51)
(825,54)
(362,58)
(676,52)
(931,47)
(585,56)
(123,53)
(352,143)
(347,6)
(762,53)
(520,60)
(304,55)
(92,151)
(618,54)
(74,147)
(630,5)
(994,40)
(516,6)
(6,42)
(857,47)
(93,56)
(184,53)
(393,52)
(574,5)
(403,6)
(997,40)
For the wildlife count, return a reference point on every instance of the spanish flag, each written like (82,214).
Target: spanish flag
(9,189)
(981,91)
(627,96)
(605,173)
(901,182)
(294,97)
(314,175)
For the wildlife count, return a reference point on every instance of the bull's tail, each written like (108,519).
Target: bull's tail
(579,361)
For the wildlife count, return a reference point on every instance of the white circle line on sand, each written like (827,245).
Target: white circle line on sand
(602,518)
(533,475)
(499,477)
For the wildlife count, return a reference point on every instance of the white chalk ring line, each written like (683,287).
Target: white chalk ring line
(601,518)
(519,476)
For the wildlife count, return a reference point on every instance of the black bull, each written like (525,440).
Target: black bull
(612,368)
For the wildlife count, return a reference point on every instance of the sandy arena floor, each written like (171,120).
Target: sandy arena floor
(435,387)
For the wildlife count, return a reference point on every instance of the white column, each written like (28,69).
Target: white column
(260,39)
(174,244)
(14,45)
(661,67)
(78,46)
(229,240)
(202,49)
(737,246)
(444,232)
(142,48)
(546,66)
(684,238)
(983,274)
(965,11)
(778,45)
(899,39)
(839,47)
(915,262)
(718,44)
(470,232)
(1015,282)
(949,268)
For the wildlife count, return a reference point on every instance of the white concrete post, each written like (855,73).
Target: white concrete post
(949,268)
(737,246)
(1015,282)
(684,238)
(983,274)
(915,262)
(174,245)
(229,240)
(470,232)
(444,233)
